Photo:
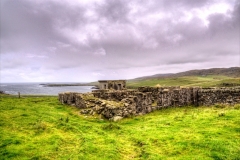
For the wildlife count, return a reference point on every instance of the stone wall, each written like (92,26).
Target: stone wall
(210,96)
(112,84)
(72,98)
(112,103)
(113,94)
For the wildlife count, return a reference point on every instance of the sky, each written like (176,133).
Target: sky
(89,40)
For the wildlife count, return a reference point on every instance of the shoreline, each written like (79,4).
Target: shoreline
(67,84)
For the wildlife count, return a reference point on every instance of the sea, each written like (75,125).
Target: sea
(39,89)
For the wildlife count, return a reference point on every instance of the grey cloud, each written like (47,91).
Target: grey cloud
(185,3)
(219,23)
(26,24)
(114,11)
(236,12)
(116,36)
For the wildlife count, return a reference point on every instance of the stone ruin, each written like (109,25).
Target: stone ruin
(112,84)
(117,104)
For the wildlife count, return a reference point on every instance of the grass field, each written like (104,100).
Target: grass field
(42,128)
(203,81)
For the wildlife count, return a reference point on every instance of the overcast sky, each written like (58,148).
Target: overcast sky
(88,40)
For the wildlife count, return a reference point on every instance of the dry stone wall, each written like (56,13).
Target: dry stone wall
(72,98)
(211,96)
(111,103)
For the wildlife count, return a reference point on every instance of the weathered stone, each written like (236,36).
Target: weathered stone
(110,103)
(103,104)
(117,118)
(112,84)
(85,111)
(79,101)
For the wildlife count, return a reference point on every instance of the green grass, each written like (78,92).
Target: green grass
(202,81)
(42,128)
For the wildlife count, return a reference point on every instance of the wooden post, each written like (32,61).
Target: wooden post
(18,94)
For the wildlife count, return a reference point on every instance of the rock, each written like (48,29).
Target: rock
(117,118)
(126,104)
(94,113)
(85,111)
(101,117)
(103,104)
(125,114)
(95,87)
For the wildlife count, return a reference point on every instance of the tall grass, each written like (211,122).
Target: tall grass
(42,128)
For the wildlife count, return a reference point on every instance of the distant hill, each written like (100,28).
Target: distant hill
(230,72)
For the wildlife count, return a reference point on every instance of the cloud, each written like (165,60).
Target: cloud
(100,52)
(137,38)
(36,56)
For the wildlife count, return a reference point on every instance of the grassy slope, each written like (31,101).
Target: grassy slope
(41,128)
(204,81)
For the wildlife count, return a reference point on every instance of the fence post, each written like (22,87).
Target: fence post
(18,94)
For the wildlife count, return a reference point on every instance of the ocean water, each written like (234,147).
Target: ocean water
(37,89)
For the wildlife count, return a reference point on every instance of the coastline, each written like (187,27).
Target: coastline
(45,88)
(93,84)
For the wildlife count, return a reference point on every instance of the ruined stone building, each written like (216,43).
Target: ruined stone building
(112,104)
(112,84)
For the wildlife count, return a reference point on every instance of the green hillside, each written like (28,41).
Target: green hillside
(229,72)
(42,128)
(187,81)
(214,77)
